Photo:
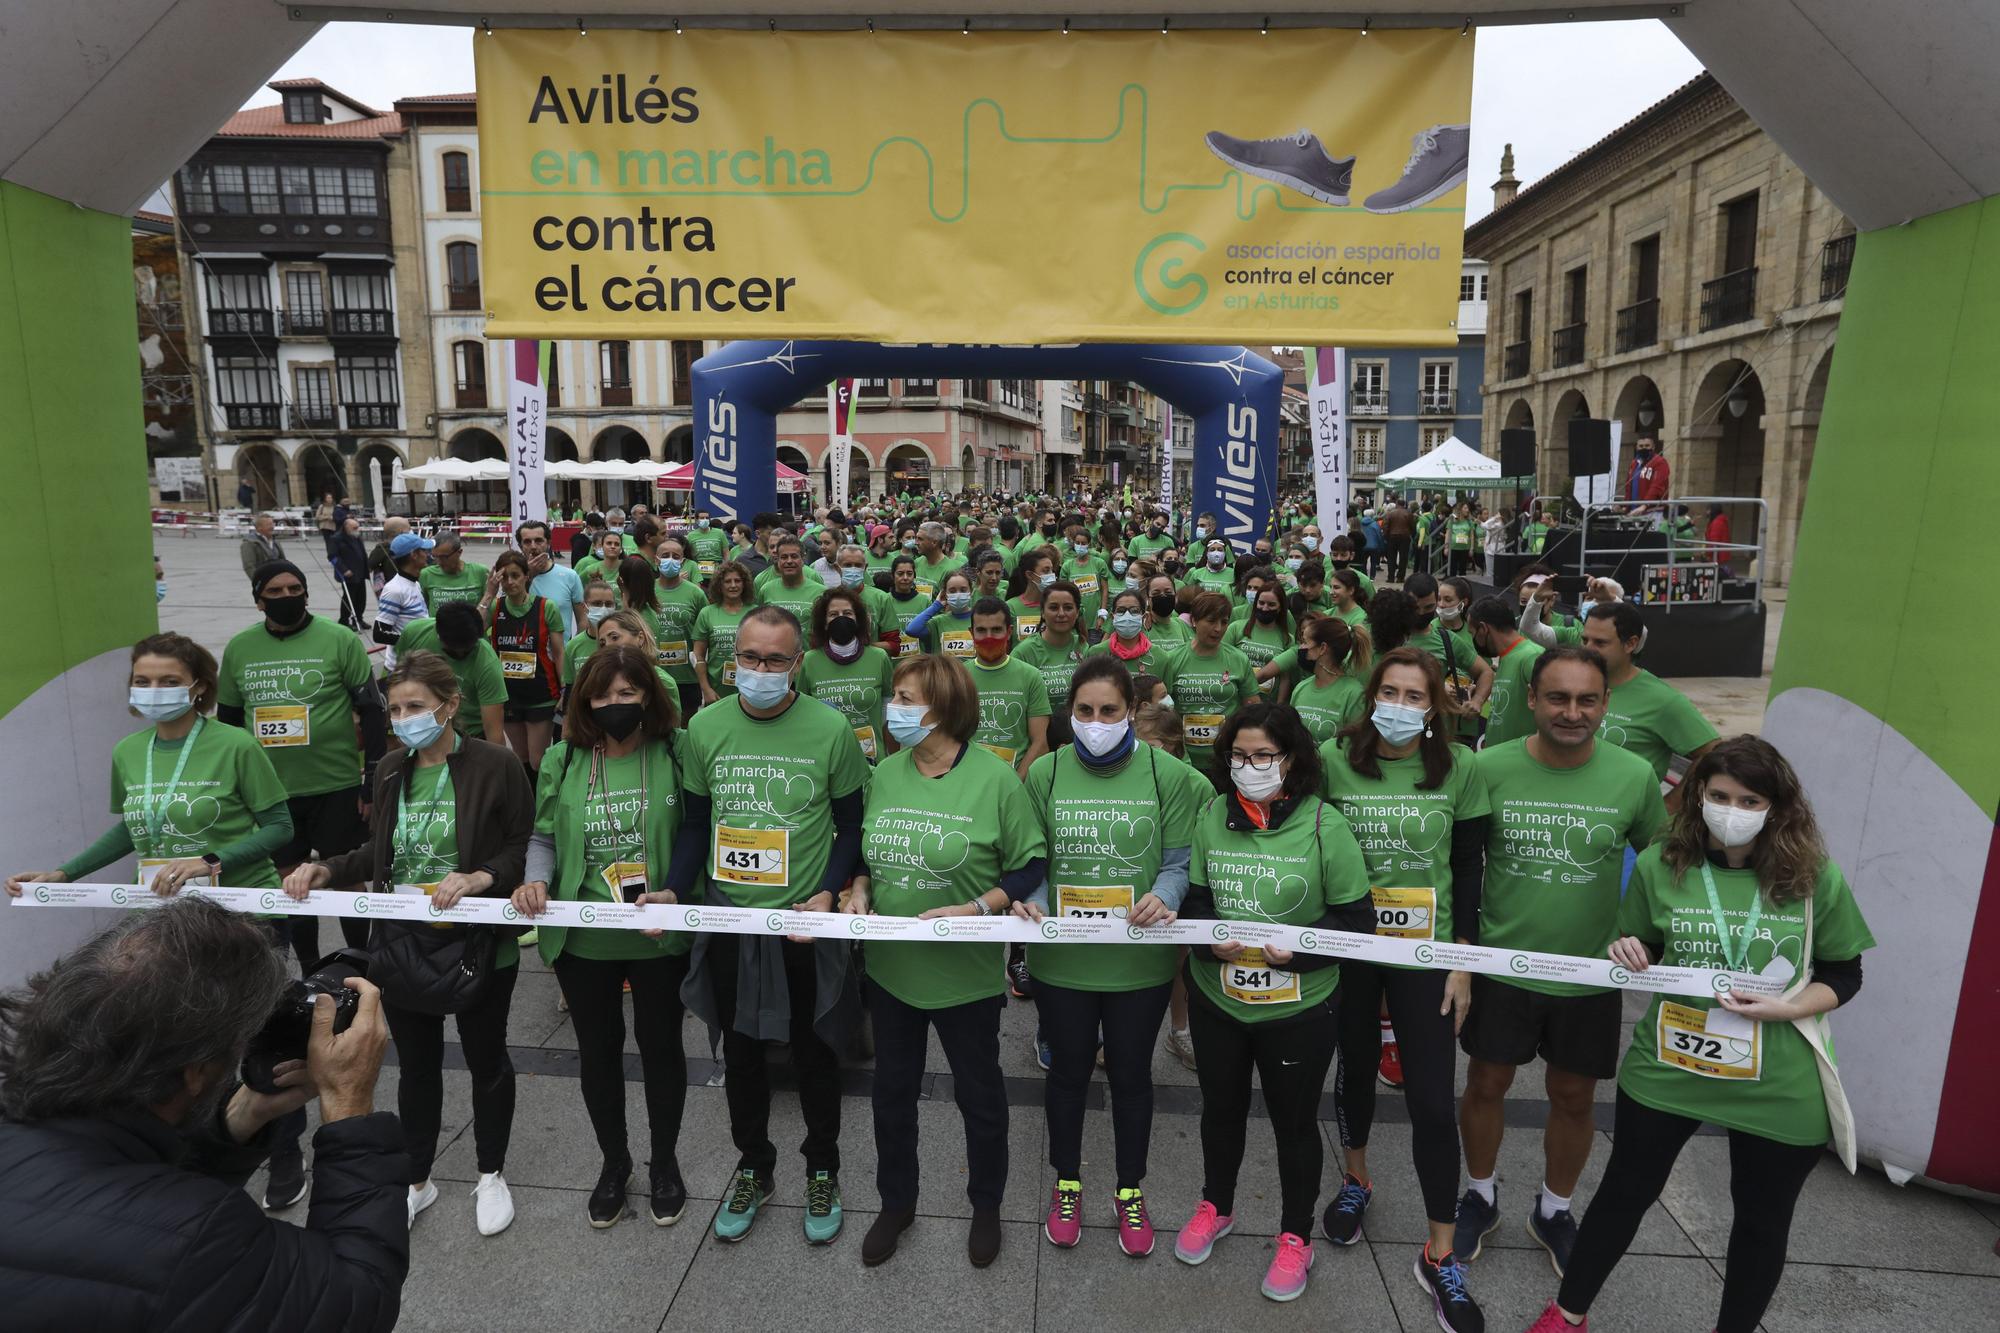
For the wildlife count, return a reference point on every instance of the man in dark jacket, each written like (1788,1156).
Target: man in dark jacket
(126,1142)
(350,565)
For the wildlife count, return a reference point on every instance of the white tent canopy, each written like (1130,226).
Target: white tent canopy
(459,469)
(1453,465)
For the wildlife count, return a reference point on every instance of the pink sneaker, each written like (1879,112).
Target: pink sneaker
(1197,1239)
(1065,1224)
(1286,1280)
(1135,1229)
(1552,1321)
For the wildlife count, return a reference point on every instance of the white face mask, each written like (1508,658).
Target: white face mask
(1733,827)
(1257,784)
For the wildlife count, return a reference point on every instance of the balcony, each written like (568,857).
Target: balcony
(1367,462)
(371,416)
(469,396)
(1369,403)
(302,323)
(1437,403)
(616,395)
(363,324)
(1514,362)
(311,416)
(462,296)
(1638,326)
(251,416)
(1566,345)
(1729,299)
(224,322)
(1836,259)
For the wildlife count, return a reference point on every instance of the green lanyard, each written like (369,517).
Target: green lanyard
(1738,962)
(154,812)
(404,848)
(623,835)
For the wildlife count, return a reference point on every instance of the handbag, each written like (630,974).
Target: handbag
(1819,1038)
(431,969)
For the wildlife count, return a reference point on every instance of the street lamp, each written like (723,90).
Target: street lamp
(1738,403)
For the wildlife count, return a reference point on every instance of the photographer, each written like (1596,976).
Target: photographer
(127,1140)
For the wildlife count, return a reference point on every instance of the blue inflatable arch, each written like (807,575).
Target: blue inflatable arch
(1232,394)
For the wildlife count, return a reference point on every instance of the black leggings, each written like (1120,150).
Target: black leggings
(482,1033)
(1130,1023)
(1430,1064)
(595,989)
(1290,1057)
(1765,1178)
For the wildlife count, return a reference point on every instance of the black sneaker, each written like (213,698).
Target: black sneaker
(1555,1234)
(607,1201)
(670,1195)
(1476,1221)
(1451,1300)
(287,1182)
(1343,1216)
(1019,981)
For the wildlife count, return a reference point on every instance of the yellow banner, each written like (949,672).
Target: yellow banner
(1225,186)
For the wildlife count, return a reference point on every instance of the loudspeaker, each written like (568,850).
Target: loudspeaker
(1589,447)
(1517,453)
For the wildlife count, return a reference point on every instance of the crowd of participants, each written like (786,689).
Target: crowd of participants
(1080,708)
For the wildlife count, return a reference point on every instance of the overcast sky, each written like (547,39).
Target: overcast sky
(1551,90)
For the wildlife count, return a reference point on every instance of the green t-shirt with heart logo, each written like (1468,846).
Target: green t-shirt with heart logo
(226,780)
(1260,643)
(771,783)
(423,845)
(295,696)
(1206,690)
(1508,716)
(1107,834)
(1405,834)
(1654,720)
(1325,709)
(773,591)
(715,629)
(941,842)
(468,585)
(1555,851)
(1672,914)
(1054,664)
(1011,694)
(1289,876)
(612,826)
(673,627)
(858,689)
(1092,577)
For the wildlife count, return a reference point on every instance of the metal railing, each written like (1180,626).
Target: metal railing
(1369,403)
(302,323)
(251,416)
(352,323)
(1638,325)
(239,321)
(1729,299)
(1836,261)
(311,416)
(1437,403)
(1744,559)
(371,416)
(1514,362)
(1566,345)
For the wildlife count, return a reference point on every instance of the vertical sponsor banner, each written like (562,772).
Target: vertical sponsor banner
(1167,460)
(1329,438)
(1602,488)
(527,432)
(840,437)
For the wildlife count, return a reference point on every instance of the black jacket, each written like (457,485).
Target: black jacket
(350,555)
(121,1222)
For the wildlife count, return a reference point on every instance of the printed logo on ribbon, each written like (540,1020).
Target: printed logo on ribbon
(361,904)
(1220,930)
(268,901)
(1619,976)
(693,917)
(856,925)
(1425,953)
(586,914)
(1519,964)
(774,923)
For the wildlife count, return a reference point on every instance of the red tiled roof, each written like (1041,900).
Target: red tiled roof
(296,85)
(439,97)
(149,215)
(268,122)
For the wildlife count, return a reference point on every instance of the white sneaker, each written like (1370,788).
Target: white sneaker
(492,1205)
(421,1197)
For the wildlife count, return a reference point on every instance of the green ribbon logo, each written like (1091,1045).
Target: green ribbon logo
(360,905)
(693,918)
(1165,275)
(1519,964)
(1220,931)
(1425,953)
(1619,976)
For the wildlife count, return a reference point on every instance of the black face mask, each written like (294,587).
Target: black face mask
(1341,562)
(618,720)
(285,612)
(1163,604)
(1267,615)
(1424,618)
(1174,568)
(841,630)
(1048,530)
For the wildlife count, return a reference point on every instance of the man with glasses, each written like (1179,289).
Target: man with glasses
(562,587)
(772,811)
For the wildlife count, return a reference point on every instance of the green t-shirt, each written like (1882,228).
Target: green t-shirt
(1783,1101)
(1508,716)
(673,626)
(1367,584)
(574,654)
(1534,536)
(1092,577)
(630,812)
(1325,709)
(772,783)
(941,842)
(1553,851)
(1289,876)
(1205,691)
(1654,720)
(706,545)
(932,574)
(902,610)
(1259,643)
(859,689)
(1405,834)
(294,693)
(1027,618)
(951,635)
(1011,695)
(1056,664)
(1464,534)
(1172,632)
(715,629)
(1146,544)
(773,591)
(226,780)
(468,585)
(1107,835)
(1148,663)
(613,836)
(1210,579)
(423,845)
(480,680)
(1459,674)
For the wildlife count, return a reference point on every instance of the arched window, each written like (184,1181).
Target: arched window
(457,183)
(470,360)
(461,268)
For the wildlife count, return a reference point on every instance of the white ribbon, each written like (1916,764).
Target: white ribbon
(706,919)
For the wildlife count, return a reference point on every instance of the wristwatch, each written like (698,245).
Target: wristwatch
(214,864)
(979,905)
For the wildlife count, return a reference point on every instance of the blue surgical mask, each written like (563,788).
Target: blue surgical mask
(597,615)
(851,577)
(1132,583)
(1201,534)
(1082,548)
(1293,563)
(906,723)
(417,730)
(1398,724)
(763,689)
(1047,579)
(1118,566)
(1310,543)
(701,524)
(1216,558)
(909,543)
(1583,608)
(959,602)
(162,703)
(1128,623)
(670,569)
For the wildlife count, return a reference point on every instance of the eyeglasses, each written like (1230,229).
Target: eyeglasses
(765,662)
(1260,761)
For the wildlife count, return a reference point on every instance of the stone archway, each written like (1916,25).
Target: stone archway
(263,469)
(322,470)
(373,455)
(1725,438)
(476,444)
(907,468)
(621,444)
(1641,408)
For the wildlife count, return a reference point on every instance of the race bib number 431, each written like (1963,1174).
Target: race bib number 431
(751,855)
